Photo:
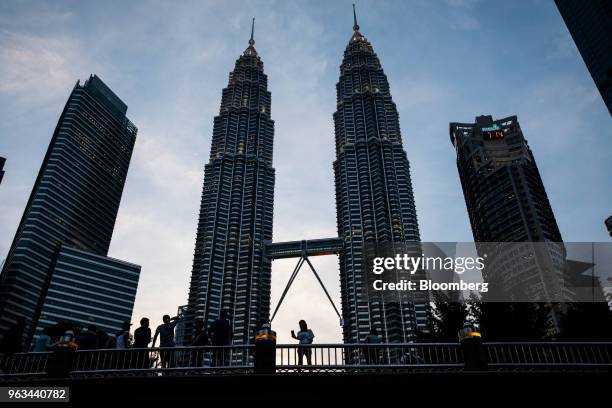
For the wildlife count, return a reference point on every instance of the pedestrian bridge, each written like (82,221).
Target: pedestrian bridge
(325,358)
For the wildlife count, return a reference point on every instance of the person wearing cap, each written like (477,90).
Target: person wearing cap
(124,338)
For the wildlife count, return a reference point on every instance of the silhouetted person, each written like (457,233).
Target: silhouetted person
(142,338)
(142,335)
(66,341)
(12,342)
(124,338)
(43,342)
(220,333)
(88,338)
(305,337)
(200,339)
(371,353)
(60,362)
(165,332)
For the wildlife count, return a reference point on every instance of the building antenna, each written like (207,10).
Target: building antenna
(355,25)
(252,41)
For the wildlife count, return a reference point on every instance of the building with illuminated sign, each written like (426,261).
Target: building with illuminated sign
(374,198)
(507,202)
(73,204)
(230,272)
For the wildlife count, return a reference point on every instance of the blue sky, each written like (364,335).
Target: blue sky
(168,61)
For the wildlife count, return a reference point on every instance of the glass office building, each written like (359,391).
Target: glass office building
(74,201)
(86,288)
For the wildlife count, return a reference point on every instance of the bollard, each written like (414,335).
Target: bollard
(60,363)
(473,354)
(265,357)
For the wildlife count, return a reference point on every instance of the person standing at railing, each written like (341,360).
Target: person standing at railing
(88,338)
(67,341)
(371,353)
(60,362)
(43,342)
(221,334)
(305,336)
(142,335)
(165,332)
(142,338)
(200,339)
(124,338)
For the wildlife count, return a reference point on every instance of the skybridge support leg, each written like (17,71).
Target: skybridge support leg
(291,279)
(297,268)
(324,289)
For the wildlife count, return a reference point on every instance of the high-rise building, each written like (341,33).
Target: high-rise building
(230,271)
(590,24)
(74,201)
(506,202)
(86,288)
(2,161)
(503,190)
(179,330)
(374,198)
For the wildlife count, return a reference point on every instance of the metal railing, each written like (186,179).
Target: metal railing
(550,354)
(159,360)
(298,358)
(368,356)
(28,364)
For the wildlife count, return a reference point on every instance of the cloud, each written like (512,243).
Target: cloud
(462,3)
(35,70)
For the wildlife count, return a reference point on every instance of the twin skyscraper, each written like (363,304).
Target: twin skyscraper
(374,199)
(57,269)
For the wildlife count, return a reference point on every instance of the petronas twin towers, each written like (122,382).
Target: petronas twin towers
(374,199)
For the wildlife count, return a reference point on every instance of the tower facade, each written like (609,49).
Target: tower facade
(506,202)
(230,271)
(590,24)
(374,198)
(74,201)
(503,190)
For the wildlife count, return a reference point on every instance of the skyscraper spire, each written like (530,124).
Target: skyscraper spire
(374,197)
(250,50)
(355,25)
(252,41)
(230,270)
